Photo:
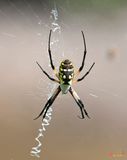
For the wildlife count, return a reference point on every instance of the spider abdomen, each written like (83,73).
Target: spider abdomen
(66,72)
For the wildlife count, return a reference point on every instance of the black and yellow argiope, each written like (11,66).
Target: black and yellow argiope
(65,78)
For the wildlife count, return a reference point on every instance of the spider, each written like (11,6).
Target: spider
(65,79)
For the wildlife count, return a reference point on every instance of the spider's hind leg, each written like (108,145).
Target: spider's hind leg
(49,103)
(79,102)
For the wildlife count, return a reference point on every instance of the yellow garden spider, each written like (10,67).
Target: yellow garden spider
(65,78)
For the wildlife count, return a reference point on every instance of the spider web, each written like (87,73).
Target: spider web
(46,121)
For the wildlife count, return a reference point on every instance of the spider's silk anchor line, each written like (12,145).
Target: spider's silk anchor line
(36,150)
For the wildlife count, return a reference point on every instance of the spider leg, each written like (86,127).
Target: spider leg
(49,103)
(80,79)
(49,50)
(47,73)
(85,51)
(50,55)
(79,102)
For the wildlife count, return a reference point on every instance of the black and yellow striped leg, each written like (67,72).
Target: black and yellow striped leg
(50,55)
(79,102)
(49,103)
(47,73)
(80,79)
(49,50)
(85,51)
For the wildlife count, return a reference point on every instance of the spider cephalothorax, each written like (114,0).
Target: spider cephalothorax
(65,78)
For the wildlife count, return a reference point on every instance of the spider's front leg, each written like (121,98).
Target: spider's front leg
(50,55)
(84,55)
(83,62)
(79,102)
(49,103)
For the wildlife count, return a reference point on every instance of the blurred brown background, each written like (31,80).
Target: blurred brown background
(24,29)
